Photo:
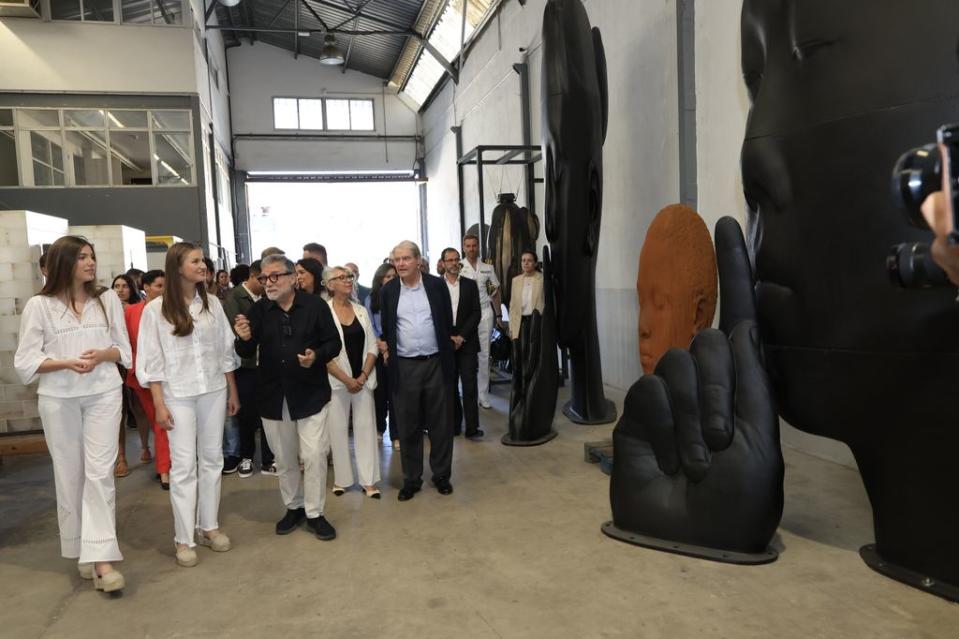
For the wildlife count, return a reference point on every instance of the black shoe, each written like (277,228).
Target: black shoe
(443,486)
(322,528)
(458,432)
(293,518)
(475,435)
(407,491)
(230,464)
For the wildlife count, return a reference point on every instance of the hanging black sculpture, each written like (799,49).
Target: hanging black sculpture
(839,91)
(575,115)
(512,229)
(535,383)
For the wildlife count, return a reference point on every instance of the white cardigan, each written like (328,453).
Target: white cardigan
(342,360)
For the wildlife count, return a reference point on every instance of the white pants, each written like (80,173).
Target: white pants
(81,434)
(485,328)
(364,437)
(196,461)
(292,440)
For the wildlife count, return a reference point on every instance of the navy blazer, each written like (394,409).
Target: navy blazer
(442,311)
(468,314)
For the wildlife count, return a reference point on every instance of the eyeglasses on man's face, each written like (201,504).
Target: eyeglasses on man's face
(272,279)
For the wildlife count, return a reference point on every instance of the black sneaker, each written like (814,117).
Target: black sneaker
(246,468)
(322,528)
(291,520)
(230,465)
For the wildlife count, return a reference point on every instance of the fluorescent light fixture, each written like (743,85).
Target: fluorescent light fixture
(229,3)
(113,119)
(269,173)
(303,34)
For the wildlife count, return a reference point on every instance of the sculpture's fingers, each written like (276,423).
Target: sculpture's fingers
(678,371)
(755,408)
(736,286)
(717,376)
(648,415)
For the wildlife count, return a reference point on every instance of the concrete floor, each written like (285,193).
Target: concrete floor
(516,551)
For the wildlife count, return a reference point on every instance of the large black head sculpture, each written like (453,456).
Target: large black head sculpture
(575,100)
(839,91)
(513,229)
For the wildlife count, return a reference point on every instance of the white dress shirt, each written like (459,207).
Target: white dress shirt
(189,365)
(454,289)
(49,329)
(527,308)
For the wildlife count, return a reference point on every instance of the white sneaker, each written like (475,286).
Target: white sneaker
(485,404)
(246,468)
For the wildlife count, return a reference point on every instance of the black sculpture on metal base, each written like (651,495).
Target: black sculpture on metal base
(575,114)
(835,100)
(512,229)
(532,401)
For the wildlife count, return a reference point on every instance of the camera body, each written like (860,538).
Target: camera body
(918,174)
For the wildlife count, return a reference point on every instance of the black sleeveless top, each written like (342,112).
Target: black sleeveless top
(354,338)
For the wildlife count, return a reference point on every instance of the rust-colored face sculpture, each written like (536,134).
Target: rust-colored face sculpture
(676,283)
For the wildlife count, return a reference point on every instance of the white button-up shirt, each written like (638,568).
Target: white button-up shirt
(454,289)
(49,329)
(482,274)
(189,365)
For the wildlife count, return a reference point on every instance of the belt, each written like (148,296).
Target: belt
(421,358)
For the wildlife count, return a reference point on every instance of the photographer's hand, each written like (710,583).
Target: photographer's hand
(938,215)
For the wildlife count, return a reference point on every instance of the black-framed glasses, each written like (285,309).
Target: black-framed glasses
(273,279)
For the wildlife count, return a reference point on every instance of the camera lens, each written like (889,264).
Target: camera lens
(918,173)
(911,266)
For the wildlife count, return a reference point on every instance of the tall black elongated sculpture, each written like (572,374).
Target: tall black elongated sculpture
(532,400)
(839,91)
(575,114)
(512,230)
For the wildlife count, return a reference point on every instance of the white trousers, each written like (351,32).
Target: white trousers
(292,440)
(485,329)
(364,437)
(81,434)
(196,461)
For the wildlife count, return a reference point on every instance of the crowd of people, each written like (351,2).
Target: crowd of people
(295,350)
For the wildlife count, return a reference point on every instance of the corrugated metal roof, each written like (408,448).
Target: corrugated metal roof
(375,55)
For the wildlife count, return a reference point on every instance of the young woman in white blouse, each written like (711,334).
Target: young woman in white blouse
(185,355)
(352,381)
(72,335)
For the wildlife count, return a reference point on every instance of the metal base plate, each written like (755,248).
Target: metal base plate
(700,552)
(872,558)
(506,440)
(604,417)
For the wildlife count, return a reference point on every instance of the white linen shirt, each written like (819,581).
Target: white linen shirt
(454,290)
(50,330)
(189,365)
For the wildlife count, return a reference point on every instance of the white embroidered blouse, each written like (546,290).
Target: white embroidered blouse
(49,329)
(189,365)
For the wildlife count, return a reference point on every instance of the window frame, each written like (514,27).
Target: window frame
(326,119)
(68,168)
(185,5)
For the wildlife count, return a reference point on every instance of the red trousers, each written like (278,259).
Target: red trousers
(161,445)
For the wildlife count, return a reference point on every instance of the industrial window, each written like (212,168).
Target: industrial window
(326,114)
(159,12)
(95,147)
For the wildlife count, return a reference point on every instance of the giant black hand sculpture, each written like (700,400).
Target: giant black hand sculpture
(575,103)
(532,401)
(697,467)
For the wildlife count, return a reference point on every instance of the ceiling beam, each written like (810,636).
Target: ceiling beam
(277,15)
(296,29)
(316,16)
(248,13)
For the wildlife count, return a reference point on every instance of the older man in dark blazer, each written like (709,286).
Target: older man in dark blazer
(464,297)
(417,321)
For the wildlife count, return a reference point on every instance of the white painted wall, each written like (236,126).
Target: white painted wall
(260,72)
(641,154)
(88,57)
(722,105)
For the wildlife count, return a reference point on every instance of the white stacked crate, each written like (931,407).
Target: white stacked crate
(118,248)
(22,235)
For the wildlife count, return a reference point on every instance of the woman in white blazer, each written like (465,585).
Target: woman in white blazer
(352,381)
(526,294)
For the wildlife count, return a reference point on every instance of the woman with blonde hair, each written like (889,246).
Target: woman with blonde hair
(72,335)
(352,381)
(186,358)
